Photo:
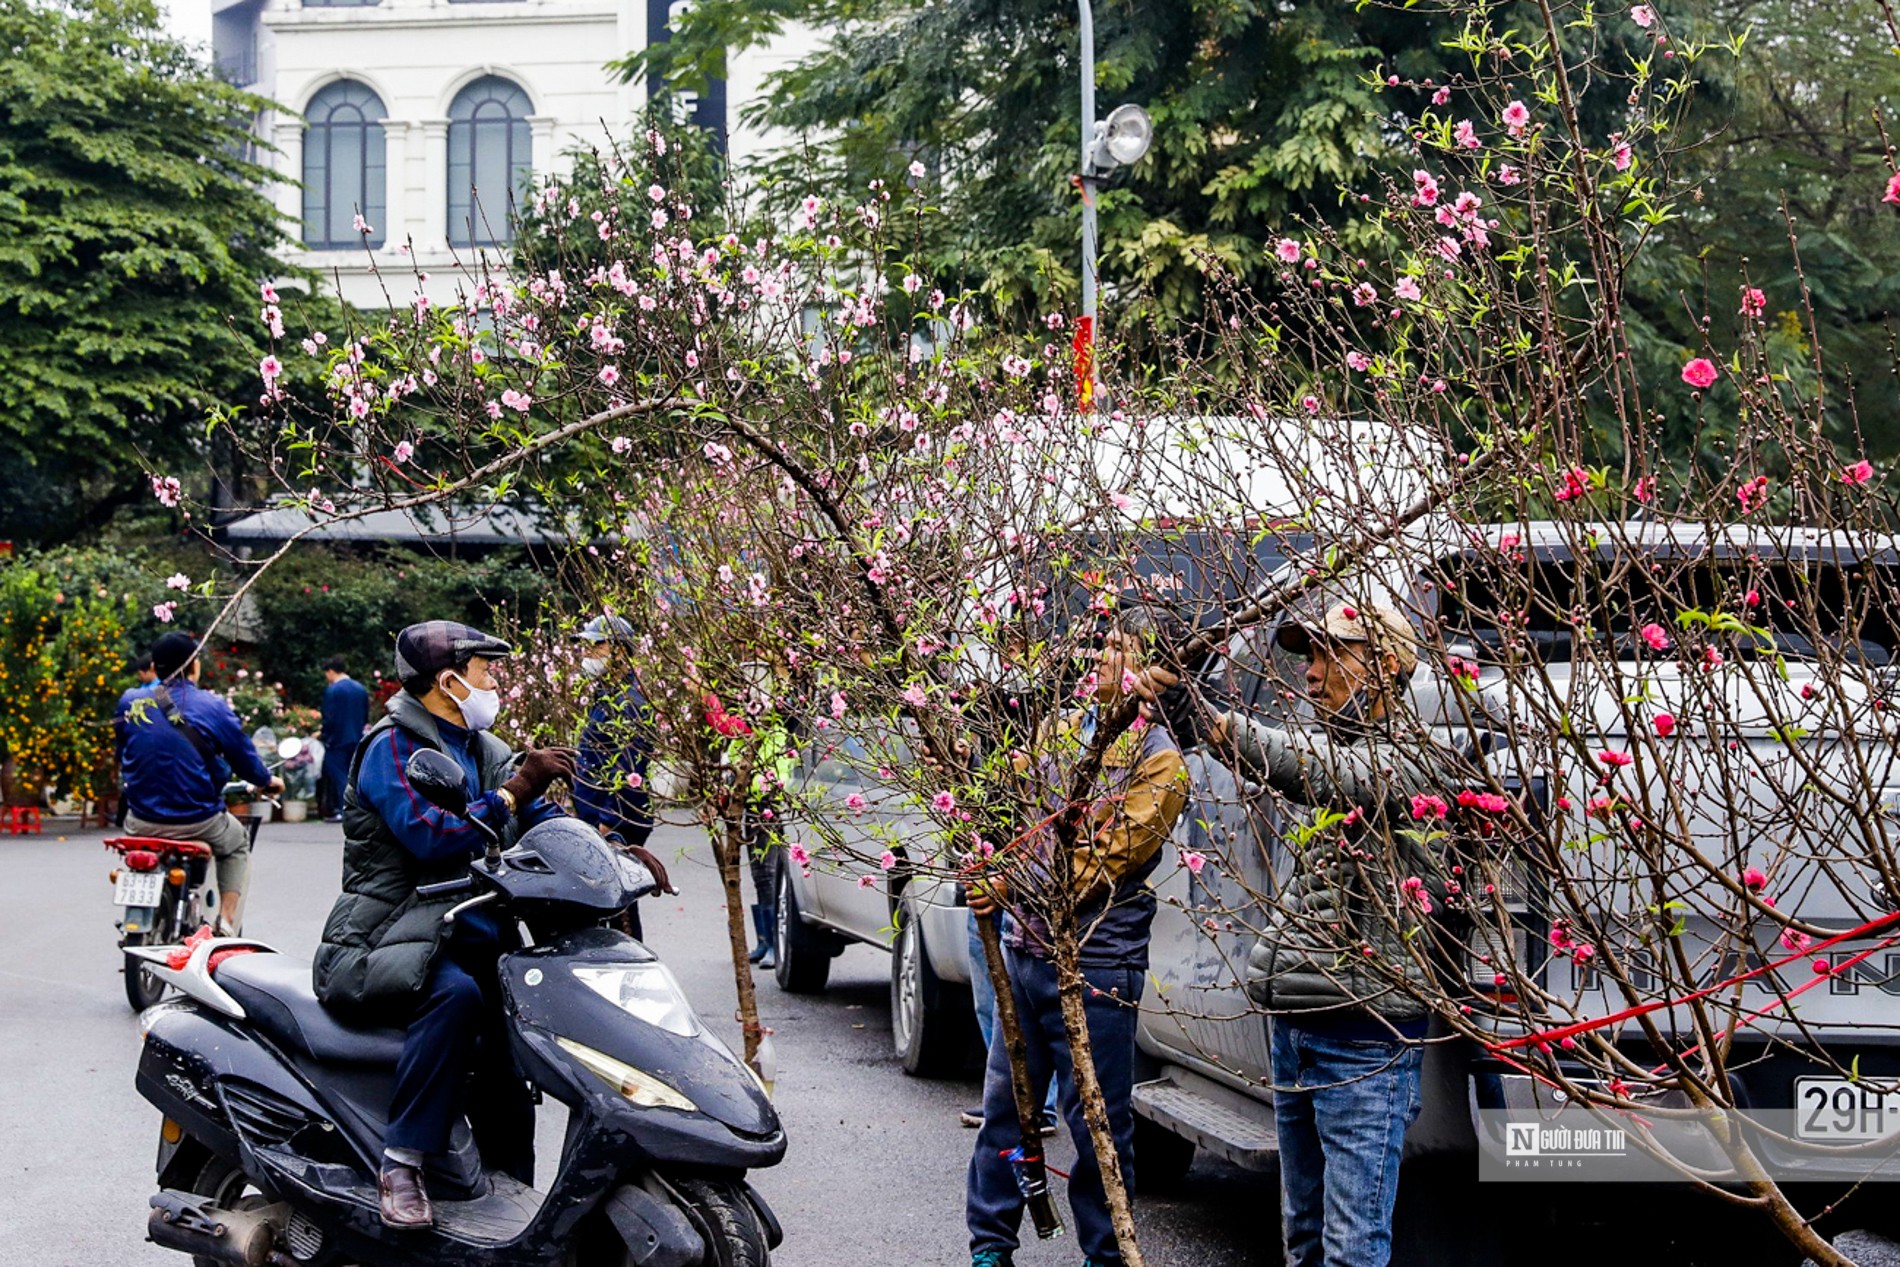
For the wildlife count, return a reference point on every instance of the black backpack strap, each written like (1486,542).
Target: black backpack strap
(202,743)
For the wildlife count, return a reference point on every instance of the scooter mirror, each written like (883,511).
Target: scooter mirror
(439,778)
(289,748)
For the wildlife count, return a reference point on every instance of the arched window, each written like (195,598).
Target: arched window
(343,167)
(490,161)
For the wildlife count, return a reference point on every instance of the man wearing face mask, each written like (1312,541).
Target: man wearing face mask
(387,955)
(610,791)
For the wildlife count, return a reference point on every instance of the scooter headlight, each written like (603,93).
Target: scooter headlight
(637,1085)
(646,991)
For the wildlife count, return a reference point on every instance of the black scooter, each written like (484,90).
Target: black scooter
(274,1111)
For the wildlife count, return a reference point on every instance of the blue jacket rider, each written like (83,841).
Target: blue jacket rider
(175,762)
(386,951)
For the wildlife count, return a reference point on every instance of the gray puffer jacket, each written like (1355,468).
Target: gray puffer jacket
(1336,936)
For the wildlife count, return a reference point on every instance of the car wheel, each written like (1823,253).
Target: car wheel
(804,952)
(932,1020)
(1162,1158)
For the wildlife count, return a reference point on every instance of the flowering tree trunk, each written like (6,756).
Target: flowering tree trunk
(728,846)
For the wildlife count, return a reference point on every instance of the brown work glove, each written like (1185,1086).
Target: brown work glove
(540,767)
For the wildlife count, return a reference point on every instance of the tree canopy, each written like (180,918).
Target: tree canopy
(1277,119)
(135,230)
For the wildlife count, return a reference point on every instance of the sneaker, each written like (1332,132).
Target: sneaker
(972,1118)
(1049,1125)
(991,1258)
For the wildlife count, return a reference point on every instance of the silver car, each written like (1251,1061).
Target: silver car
(918,918)
(1208,1072)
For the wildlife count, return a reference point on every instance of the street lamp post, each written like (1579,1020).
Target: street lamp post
(1116,141)
(1087,181)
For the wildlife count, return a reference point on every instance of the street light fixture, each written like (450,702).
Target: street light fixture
(1117,141)
(1122,138)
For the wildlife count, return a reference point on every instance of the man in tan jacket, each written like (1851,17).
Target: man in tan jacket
(1138,795)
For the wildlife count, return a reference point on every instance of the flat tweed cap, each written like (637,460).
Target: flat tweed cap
(426,649)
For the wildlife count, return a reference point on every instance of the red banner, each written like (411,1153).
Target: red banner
(1084,347)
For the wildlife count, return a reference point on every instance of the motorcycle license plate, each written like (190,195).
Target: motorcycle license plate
(139,888)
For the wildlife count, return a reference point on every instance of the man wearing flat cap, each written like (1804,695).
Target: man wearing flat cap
(388,956)
(1334,959)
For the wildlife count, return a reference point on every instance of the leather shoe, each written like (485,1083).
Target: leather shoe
(405,1200)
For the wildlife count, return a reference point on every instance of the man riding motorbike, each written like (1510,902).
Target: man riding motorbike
(179,747)
(388,956)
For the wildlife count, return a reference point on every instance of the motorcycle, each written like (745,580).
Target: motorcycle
(274,1110)
(160,884)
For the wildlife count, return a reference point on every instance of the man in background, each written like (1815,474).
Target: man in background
(610,781)
(345,714)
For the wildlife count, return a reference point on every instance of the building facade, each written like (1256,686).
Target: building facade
(410,130)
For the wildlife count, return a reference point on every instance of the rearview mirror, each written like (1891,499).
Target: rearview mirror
(439,779)
(288,748)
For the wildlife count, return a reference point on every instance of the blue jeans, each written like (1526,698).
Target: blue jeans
(983,995)
(994,1204)
(1342,1106)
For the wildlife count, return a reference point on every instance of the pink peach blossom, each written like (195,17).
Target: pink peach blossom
(1699,372)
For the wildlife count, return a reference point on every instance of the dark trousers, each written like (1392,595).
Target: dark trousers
(994,1203)
(455,1058)
(336,776)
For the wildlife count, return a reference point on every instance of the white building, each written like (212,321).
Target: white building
(428,118)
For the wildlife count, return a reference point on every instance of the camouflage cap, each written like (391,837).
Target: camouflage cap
(1388,631)
(606,629)
(426,649)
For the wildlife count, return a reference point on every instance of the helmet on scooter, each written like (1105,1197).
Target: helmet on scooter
(606,629)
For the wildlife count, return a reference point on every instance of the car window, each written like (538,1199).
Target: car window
(840,761)
(1808,610)
(1256,674)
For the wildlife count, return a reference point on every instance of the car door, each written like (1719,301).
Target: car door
(889,821)
(865,814)
(1196,1010)
(834,782)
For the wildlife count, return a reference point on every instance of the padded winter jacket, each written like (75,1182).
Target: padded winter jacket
(382,939)
(1337,934)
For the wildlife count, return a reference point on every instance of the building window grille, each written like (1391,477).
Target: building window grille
(491,160)
(344,168)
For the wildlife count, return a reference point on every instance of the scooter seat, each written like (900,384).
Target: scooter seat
(275,993)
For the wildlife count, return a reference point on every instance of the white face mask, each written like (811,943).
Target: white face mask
(592,666)
(480,709)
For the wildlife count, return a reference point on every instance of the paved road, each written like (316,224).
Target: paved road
(874,1175)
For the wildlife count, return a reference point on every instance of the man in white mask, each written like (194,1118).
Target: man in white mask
(610,788)
(387,956)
